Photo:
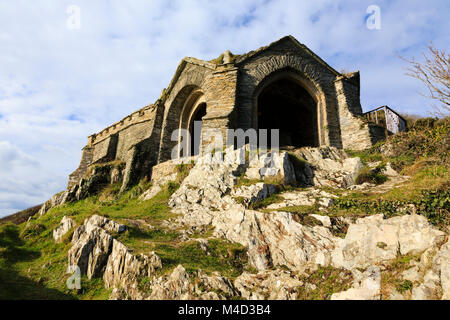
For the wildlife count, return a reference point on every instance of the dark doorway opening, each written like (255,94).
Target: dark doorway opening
(287,106)
(196,129)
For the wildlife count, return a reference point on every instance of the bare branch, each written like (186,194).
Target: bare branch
(434,73)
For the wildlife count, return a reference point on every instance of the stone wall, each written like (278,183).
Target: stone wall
(86,160)
(220,92)
(119,141)
(356,134)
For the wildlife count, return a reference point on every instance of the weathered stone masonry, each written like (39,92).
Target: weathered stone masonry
(230,87)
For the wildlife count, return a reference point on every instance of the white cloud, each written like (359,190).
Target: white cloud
(57,86)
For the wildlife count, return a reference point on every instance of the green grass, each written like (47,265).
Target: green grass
(33,266)
(227,258)
(366,156)
(36,269)
(328,280)
(391,277)
(274,198)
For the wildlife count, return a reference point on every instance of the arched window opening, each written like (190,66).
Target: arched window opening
(195,129)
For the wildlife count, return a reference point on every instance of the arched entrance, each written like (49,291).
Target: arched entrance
(195,128)
(193,111)
(286,105)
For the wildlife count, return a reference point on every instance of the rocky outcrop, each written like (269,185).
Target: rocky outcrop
(176,286)
(98,176)
(376,240)
(162,174)
(90,250)
(124,270)
(327,166)
(430,276)
(272,165)
(208,197)
(98,254)
(54,201)
(276,238)
(92,245)
(64,227)
(366,286)
(205,187)
(104,223)
(200,286)
(308,197)
(283,246)
(253,193)
(272,285)
(215,283)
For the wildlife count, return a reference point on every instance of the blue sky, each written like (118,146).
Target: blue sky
(58,85)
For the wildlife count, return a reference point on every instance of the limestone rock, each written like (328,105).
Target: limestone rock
(104,223)
(123,269)
(395,295)
(205,185)
(366,288)
(412,274)
(272,165)
(92,245)
(425,291)
(216,283)
(325,220)
(90,250)
(389,171)
(442,263)
(330,166)
(273,285)
(362,187)
(254,193)
(374,240)
(275,238)
(54,201)
(64,227)
(294,198)
(415,234)
(176,286)
(308,197)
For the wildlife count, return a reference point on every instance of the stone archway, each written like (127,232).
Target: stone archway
(283,103)
(195,128)
(193,111)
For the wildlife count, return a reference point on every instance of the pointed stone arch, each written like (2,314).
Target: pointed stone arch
(302,68)
(296,107)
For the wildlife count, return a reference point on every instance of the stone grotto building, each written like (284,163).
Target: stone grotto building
(281,86)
